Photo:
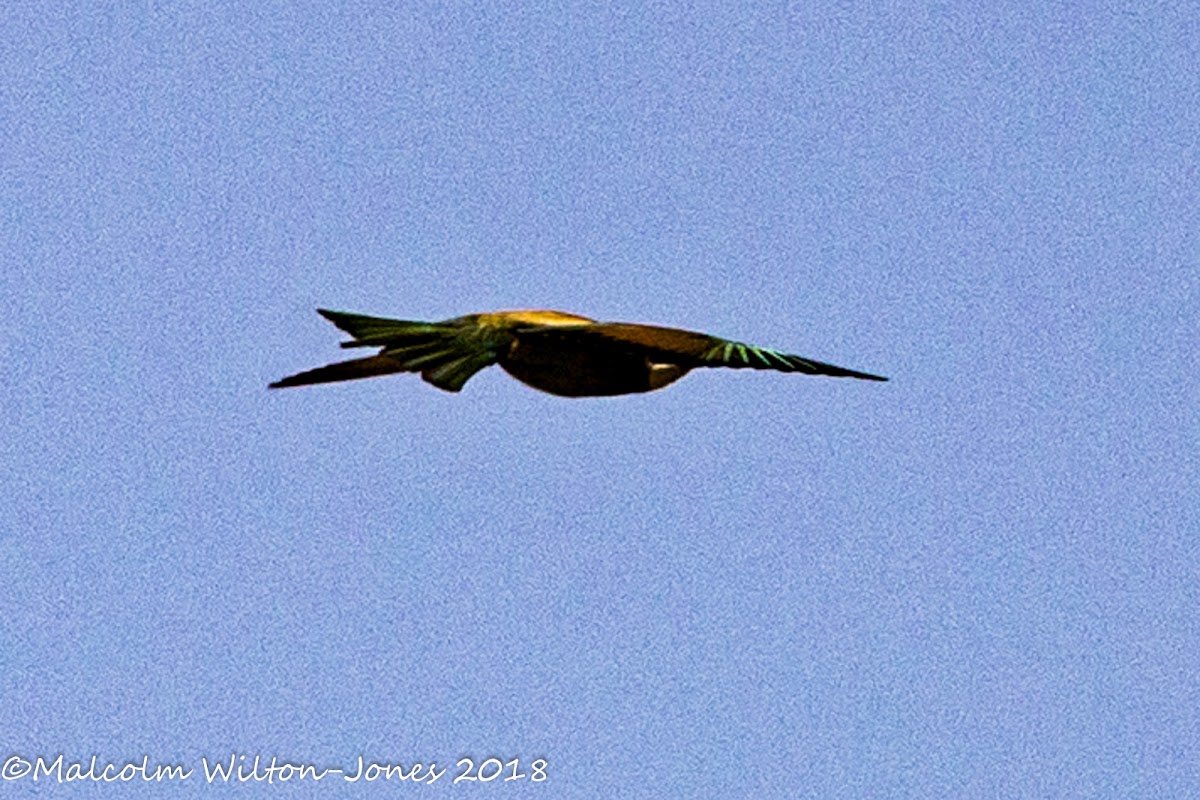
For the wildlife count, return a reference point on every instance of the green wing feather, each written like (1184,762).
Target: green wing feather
(740,356)
(692,350)
(381,331)
(446,353)
(451,375)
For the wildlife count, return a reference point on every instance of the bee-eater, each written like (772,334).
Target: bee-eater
(563,354)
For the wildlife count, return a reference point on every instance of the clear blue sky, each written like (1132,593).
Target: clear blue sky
(981,579)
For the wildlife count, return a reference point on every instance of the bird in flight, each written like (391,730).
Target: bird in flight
(552,351)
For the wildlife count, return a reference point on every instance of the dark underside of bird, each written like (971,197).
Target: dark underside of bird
(552,351)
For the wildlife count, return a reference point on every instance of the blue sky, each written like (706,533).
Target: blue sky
(979,579)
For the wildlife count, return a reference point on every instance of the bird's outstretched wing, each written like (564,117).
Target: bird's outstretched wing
(446,353)
(693,350)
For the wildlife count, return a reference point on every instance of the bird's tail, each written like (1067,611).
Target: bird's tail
(342,371)
(443,352)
